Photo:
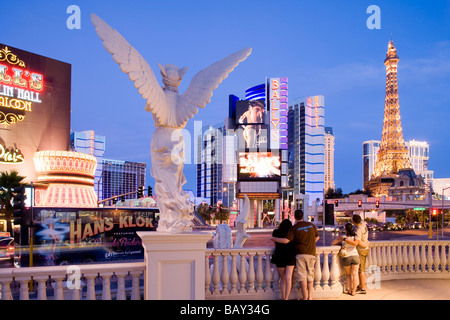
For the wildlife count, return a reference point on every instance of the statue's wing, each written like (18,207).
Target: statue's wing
(133,64)
(199,92)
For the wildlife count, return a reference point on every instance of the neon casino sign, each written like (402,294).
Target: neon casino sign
(19,88)
(315,117)
(10,156)
(278,106)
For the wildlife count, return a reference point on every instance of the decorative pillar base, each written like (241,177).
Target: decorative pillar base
(175,265)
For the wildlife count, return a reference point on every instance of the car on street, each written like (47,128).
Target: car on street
(7,249)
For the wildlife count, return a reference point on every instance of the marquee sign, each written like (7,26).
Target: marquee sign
(277,102)
(19,88)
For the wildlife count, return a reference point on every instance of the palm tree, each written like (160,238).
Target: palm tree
(8,180)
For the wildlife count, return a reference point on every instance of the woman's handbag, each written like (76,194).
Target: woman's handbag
(343,250)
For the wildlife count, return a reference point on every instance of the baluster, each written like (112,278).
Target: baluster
(267,273)
(400,262)
(121,294)
(379,261)
(276,279)
(106,285)
(394,252)
(325,272)
(369,259)
(334,272)
(58,292)
(423,258)
(216,273)
(233,273)
(24,295)
(417,266)
(317,272)
(430,259)
(135,290)
(259,272)
(42,288)
(406,265)
(251,273)
(437,260)
(207,275)
(6,290)
(389,263)
(383,258)
(443,258)
(242,273)
(224,276)
(76,290)
(373,256)
(90,283)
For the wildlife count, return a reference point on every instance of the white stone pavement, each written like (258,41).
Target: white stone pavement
(422,289)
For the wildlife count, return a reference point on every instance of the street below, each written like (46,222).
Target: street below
(261,237)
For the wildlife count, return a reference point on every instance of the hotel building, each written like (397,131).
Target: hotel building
(306,148)
(418,153)
(329,159)
(93,144)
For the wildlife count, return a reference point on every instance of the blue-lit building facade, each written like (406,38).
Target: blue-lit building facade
(306,149)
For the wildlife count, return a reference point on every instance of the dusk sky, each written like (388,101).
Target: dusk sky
(323,47)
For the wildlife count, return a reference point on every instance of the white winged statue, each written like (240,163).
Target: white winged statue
(171,111)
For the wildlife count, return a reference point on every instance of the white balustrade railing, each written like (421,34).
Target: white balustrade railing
(118,281)
(247,273)
(244,273)
(409,259)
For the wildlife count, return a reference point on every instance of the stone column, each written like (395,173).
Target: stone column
(175,265)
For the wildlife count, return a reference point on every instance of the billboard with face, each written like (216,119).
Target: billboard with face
(34,108)
(252,132)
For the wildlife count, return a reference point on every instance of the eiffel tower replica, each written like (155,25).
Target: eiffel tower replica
(393,153)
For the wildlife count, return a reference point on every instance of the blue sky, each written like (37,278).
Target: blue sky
(323,47)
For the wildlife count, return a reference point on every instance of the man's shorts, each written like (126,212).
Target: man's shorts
(305,266)
(362,257)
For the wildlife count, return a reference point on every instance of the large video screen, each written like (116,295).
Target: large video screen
(259,165)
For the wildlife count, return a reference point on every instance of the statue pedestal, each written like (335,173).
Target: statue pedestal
(175,265)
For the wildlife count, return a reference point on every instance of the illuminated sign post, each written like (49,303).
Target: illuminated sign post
(277,102)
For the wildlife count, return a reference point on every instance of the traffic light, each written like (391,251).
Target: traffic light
(435,212)
(140,192)
(336,203)
(377,204)
(18,203)
(149,191)
(360,203)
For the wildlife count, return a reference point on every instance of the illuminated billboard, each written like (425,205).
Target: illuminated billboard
(250,115)
(259,165)
(34,108)
(277,106)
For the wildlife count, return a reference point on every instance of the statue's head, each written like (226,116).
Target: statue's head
(172,75)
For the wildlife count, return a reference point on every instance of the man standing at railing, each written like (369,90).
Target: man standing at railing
(305,235)
(362,236)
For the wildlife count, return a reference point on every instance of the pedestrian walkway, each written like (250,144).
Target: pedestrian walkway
(421,289)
